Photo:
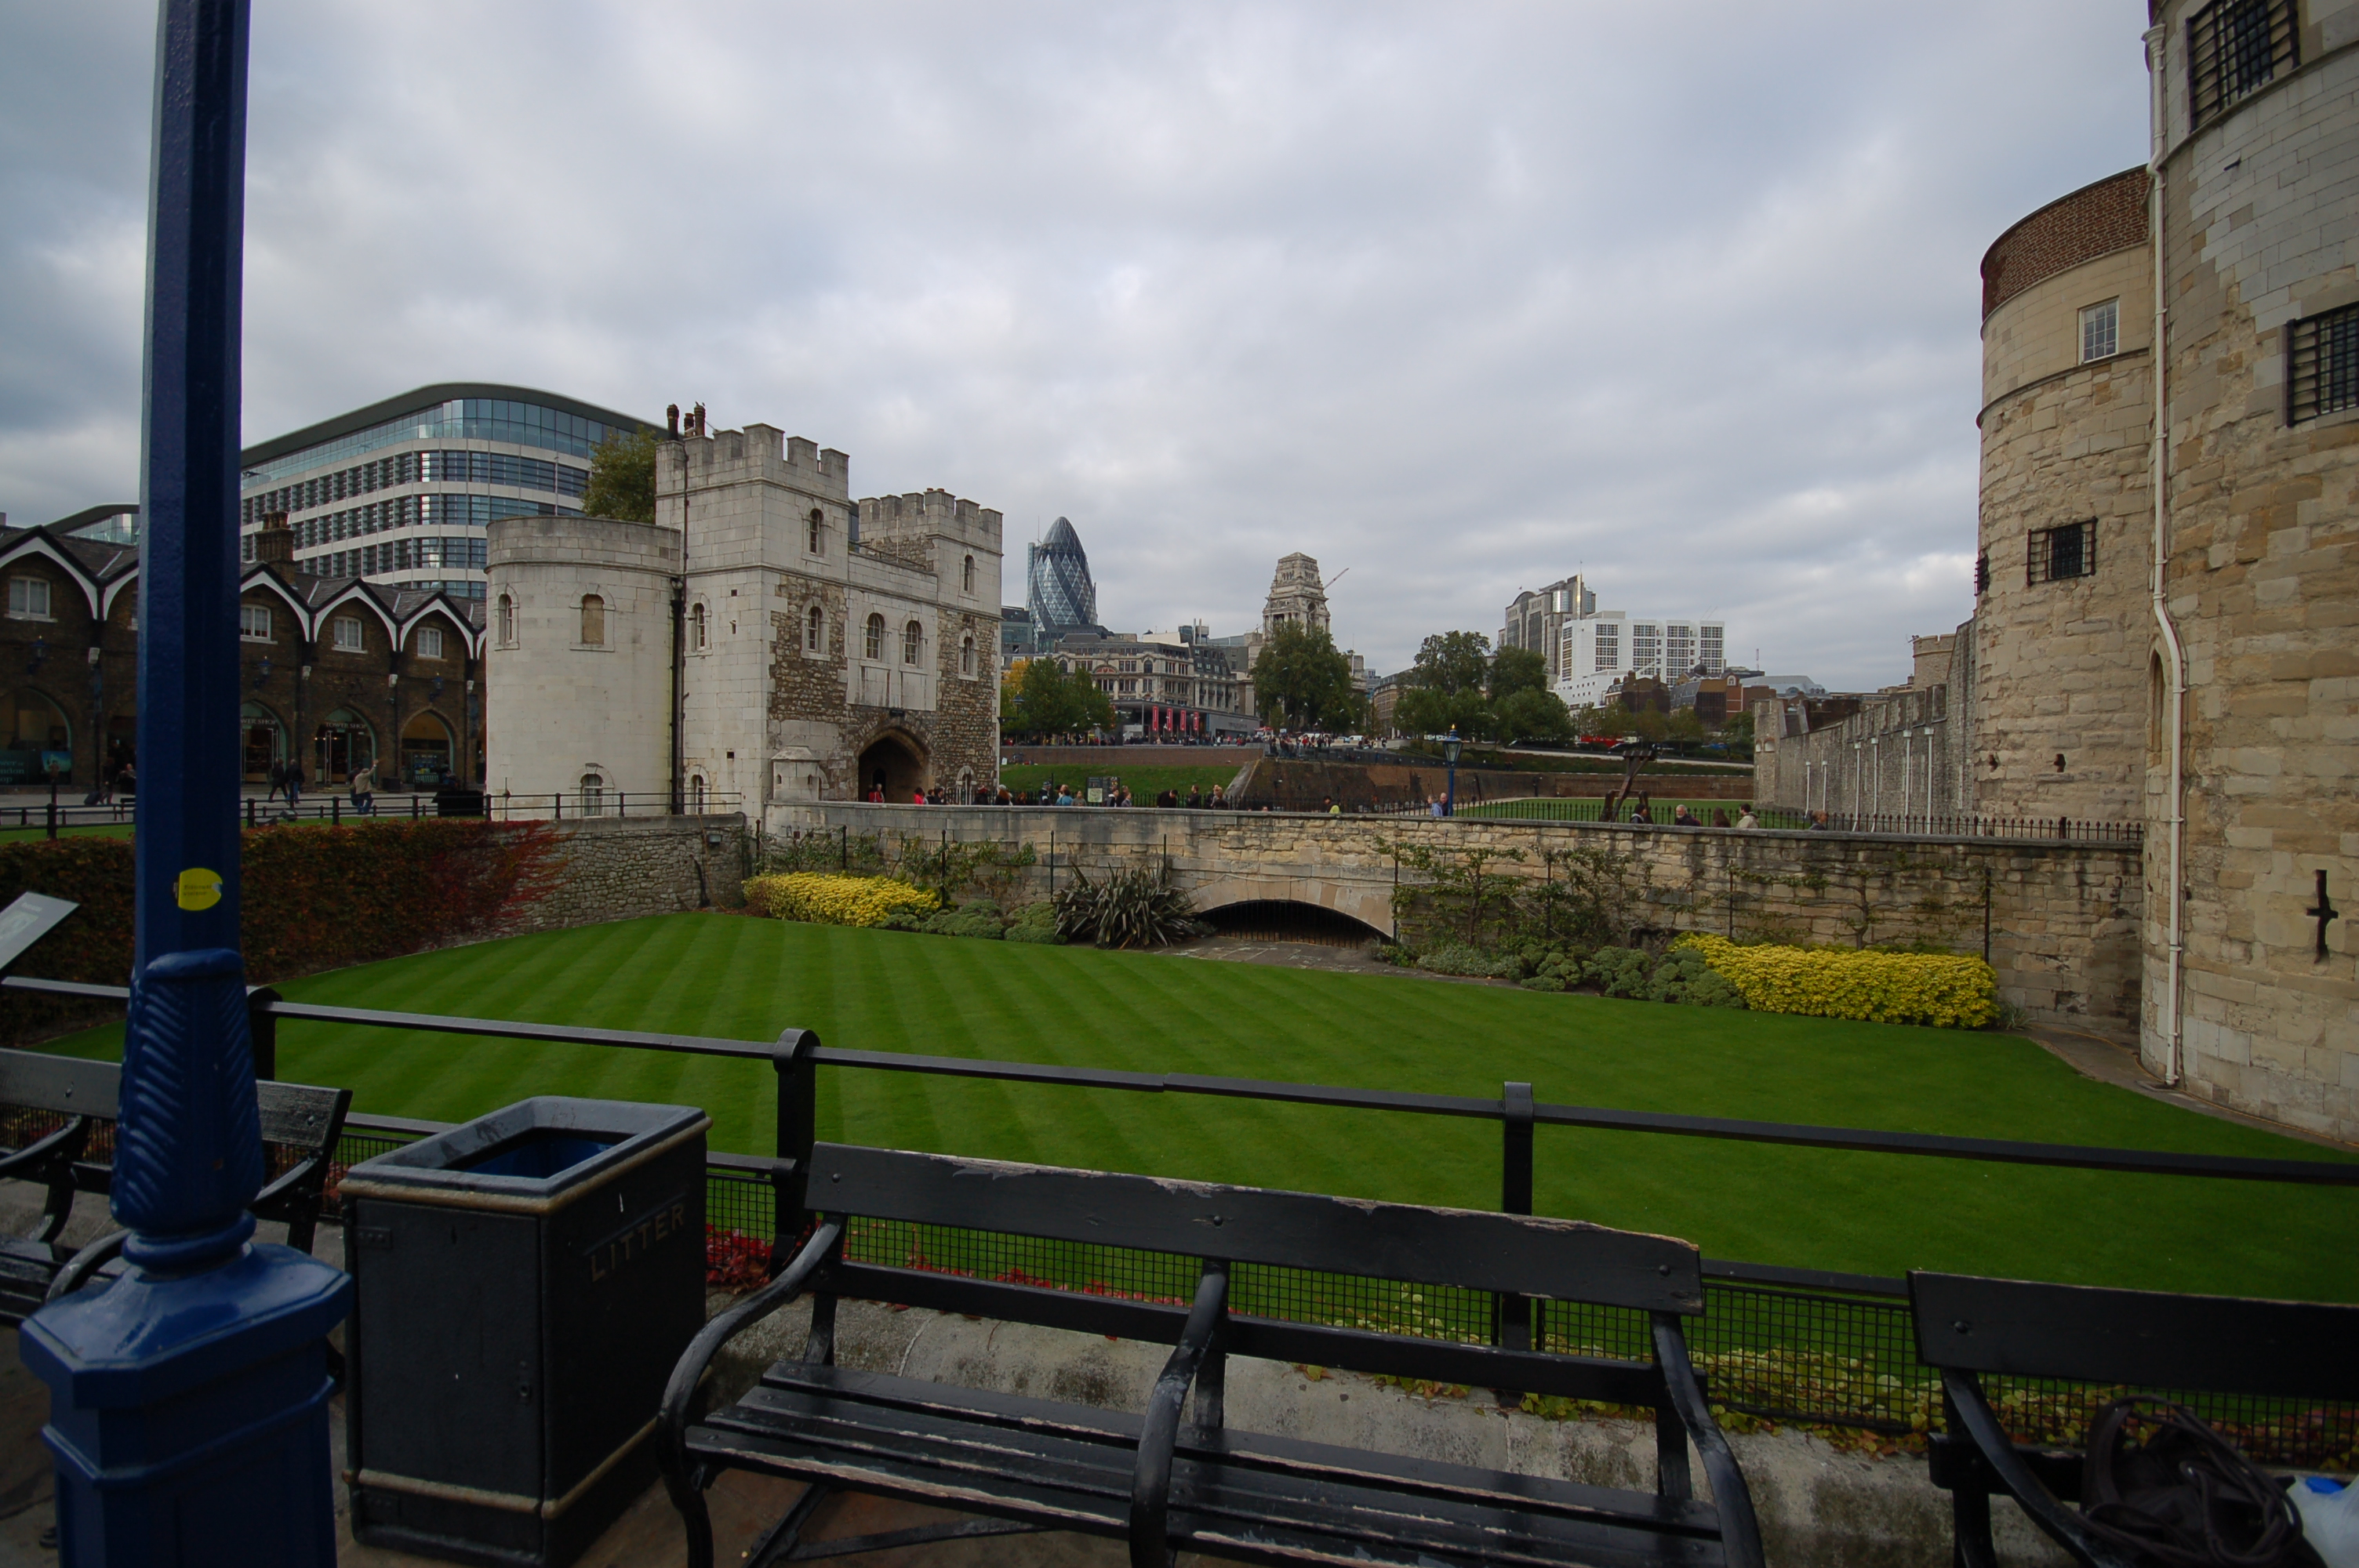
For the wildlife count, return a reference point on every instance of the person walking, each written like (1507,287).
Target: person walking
(1818,822)
(294,783)
(1219,801)
(364,787)
(1745,818)
(278,778)
(1683,817)
(1195,798)
(1331,808)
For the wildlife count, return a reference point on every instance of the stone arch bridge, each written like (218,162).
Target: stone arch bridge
(2058,920)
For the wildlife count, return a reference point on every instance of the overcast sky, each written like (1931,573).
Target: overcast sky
(1460,296)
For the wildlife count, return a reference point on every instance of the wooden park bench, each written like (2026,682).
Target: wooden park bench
(66,1107)
(2139,1341)
(1165,1484)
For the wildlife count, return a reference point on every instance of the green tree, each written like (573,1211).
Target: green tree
(1516,669)
(623,478)
(1445,689)
(1049,701)
(1301,681)
(1529,714)
(1684,724)
(1737,733)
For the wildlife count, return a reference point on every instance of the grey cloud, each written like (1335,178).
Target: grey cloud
(1459,297)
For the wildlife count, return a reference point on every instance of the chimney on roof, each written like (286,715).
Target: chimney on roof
(277,540)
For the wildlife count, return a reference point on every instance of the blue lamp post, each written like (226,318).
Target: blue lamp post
(189,1399)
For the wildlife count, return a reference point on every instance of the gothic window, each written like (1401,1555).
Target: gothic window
(696,627)
(968,582)
(966,655)
(594,794)
(812,539)
(913,637)
(814,631)
(873,644)
(507,622)
(593,621)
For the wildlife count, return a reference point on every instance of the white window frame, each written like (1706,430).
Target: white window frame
(349,637)
(699,628)
(253,623)
(2101,331)
(507,610)
(429,642)
(22,593)
(814,631)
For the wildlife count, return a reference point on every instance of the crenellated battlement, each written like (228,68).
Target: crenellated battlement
(756,453)
(932,513)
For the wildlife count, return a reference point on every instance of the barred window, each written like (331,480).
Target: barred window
(2321,365)
(2067,551)
(2235,47)
(2101,331)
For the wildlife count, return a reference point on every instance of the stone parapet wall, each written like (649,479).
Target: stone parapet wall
(620,868)
(2059,921)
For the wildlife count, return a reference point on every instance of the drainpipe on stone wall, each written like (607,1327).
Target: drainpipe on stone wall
(2158,476)
(680,650)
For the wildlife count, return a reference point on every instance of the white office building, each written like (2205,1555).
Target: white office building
(1598,650)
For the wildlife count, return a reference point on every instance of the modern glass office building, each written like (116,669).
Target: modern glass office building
(401,491)
(1058,582)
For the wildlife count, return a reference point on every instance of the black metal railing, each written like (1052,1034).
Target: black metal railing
(1777,1343)
(336,807)
(1915,825)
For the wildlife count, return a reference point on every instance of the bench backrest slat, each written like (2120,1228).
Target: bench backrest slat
(300,1115)
(1561,1259)
(40,1081)
(2149,1340)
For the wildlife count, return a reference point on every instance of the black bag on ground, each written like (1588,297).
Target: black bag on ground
(2183,1496)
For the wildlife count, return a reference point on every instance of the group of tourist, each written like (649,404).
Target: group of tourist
(1054,793)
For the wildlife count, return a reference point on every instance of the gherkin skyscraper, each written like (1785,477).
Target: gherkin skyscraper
(1061,595)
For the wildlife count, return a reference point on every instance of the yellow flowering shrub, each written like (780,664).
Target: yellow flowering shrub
(1948,991)
(826,900)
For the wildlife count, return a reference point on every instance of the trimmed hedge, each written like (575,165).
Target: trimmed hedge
(825,900)
(312,897)
(1947,990)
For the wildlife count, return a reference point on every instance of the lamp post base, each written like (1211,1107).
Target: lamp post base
(189,1414)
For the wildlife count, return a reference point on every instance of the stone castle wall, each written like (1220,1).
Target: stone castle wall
(2059,921)
(2061,698)
(2261,228)
(620,868)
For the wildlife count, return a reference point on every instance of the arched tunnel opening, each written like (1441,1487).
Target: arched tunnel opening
(1284,920)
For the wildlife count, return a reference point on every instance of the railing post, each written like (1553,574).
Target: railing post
(336,811)
(263,1024)
(791,1059)
(1512,1320)
(249,811)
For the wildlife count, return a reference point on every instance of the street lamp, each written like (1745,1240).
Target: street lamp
(1449,744)
(194,1388)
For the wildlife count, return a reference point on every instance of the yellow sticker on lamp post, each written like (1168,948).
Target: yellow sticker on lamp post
(198,888)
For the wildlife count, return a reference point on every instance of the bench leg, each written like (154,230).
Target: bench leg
(1970,1529)
(819,1350)
(1671,1477)
(695,1521)
(788,1532)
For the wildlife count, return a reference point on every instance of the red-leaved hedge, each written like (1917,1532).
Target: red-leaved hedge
(314,898)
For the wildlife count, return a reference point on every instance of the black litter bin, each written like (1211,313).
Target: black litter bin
(452,800)
(526,1281)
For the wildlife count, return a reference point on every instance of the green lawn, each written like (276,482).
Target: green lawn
(95,830)
(1878,1213)
(1144,783)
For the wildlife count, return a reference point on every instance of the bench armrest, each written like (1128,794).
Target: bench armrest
(1740,1532)
(83,1265)
(50,1160)
(1150,1483)
(688,1374)
(2063,1525)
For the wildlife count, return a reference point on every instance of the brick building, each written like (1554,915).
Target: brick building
(337,672)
